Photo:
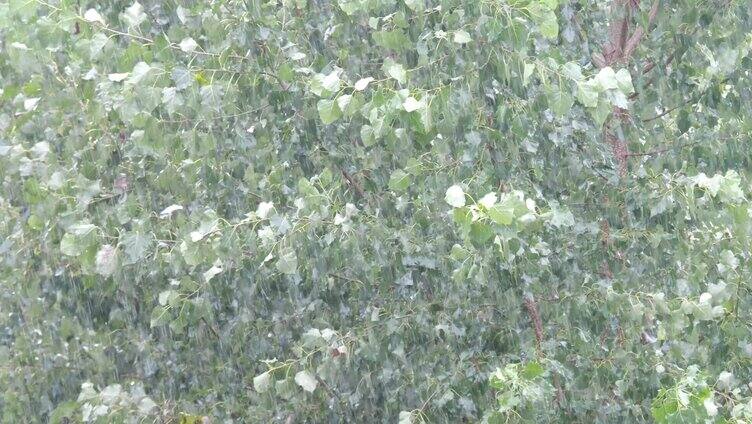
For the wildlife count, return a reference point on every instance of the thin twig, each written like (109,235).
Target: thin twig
(664,150)
(666,112)
(210,327)
(353,183)
(532,310)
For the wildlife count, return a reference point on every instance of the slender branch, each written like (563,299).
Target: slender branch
(328,389)
(560,398)
(693,99)
(649,67)
(666,112)
(348,279)
(210,327)
(353,183)
(664,150)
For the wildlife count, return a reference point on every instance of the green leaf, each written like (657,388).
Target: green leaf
(488,201)
(139,74)
(455,196)
(624,81)
(344,103)
(394,40)
(502,214)
(351,7)
(212,96)
(306,380)
(618,99)
(81,229)
(730,190)
(329,111)
(168,297)
(573,71)
(551,4)
(533,370)
(713,184)
(395,70)
(459,253)
(405,417)
(601,112)
(181,77)
(411,104)
(262,382)
(212,272)
(135,247)
(146,406)
(683,121)
(134,14)
(544,16)
(561,217)
(416,5)
(64,412)
(325,85)
(480,233)
(527,72)
(160,315)
(367,135)
(587,93)
(106,260)
(606,79)
(425,118)
(188,45)
(561,102)
(463,218)
(362,83)
(461,37)
(287,262)
(92,15)
(399,180)
(70,245)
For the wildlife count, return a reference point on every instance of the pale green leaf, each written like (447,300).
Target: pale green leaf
(362,83)
(70,245)
(411,104)
(399,180)
(188,45)
(624,81)
(395,70)
(527,72)
(561,102)
(462,37)
(106,260)
(606,79)
(262,382)
(455,196)
(92,15)
(287,262)
(328,111)
(587,93)
(416,5)
(306,380)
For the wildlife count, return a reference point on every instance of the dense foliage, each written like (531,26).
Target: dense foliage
(375,211)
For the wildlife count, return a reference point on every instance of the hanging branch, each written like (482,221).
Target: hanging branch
(352,182)
(619,48)
(532,311)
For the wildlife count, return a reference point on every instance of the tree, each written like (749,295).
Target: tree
(375,210)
